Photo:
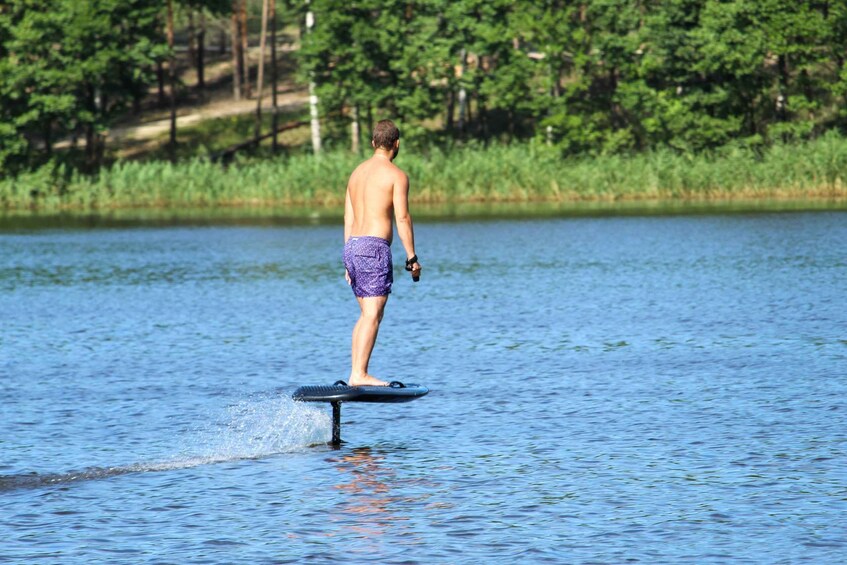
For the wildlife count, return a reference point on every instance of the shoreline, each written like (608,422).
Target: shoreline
(323,214)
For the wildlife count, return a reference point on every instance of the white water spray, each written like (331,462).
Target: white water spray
(260,426)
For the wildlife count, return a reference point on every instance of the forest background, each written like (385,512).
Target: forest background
(497,99)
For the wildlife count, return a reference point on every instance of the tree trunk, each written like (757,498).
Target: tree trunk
(236,58)
(90,134)
(314,118)
(451,107)
(261,74)
(782,112)
(171,80)
(275,114)
(482,116)
(89,146)
(160,80)
(615,109)
(313,97)
(468,113)
(48,139)
(201,54)
(556,75)
(245,49)
(463,95)
(355,130)
(191,33)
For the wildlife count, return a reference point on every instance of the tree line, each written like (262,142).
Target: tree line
(598,76)
(584,76)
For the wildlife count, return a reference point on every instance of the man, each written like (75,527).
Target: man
(376,189)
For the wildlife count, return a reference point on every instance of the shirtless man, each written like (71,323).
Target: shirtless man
(376,189)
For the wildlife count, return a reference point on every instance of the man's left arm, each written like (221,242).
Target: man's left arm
(405,229)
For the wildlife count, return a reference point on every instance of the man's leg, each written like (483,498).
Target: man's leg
(364,337)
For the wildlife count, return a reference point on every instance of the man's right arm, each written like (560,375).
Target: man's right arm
(349,216)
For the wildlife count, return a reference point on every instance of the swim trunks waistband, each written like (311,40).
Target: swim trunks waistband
(369,237)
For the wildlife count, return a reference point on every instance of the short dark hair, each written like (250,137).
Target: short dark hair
(386,134)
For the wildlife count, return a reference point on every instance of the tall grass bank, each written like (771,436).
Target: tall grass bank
(512,173)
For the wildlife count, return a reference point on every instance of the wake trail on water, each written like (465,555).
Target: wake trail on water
(257,427)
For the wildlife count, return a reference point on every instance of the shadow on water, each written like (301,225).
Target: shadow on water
(37,480)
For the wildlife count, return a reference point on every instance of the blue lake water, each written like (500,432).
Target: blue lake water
(644,389)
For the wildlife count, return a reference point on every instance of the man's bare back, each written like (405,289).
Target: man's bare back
(376,191)
(371,195)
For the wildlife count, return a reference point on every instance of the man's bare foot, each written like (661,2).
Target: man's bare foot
(366,380)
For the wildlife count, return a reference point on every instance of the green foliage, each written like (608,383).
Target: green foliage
(69,68)
(598,76)
(521,172)
(594,77)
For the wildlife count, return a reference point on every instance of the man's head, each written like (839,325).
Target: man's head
(386,136)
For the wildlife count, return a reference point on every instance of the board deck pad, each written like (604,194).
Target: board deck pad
(343,393)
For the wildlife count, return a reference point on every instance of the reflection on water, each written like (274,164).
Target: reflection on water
(367,502)
(462,211)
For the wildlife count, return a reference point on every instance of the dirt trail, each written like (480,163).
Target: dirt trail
(151,129)
(137,134)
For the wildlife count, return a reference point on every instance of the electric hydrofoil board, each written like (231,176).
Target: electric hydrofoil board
(340,392)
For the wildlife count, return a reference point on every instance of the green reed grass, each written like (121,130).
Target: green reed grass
(498,173)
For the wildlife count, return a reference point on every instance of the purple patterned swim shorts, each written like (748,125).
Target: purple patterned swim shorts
(368,261)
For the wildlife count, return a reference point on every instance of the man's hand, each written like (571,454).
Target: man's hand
(347,277)
(414,267)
